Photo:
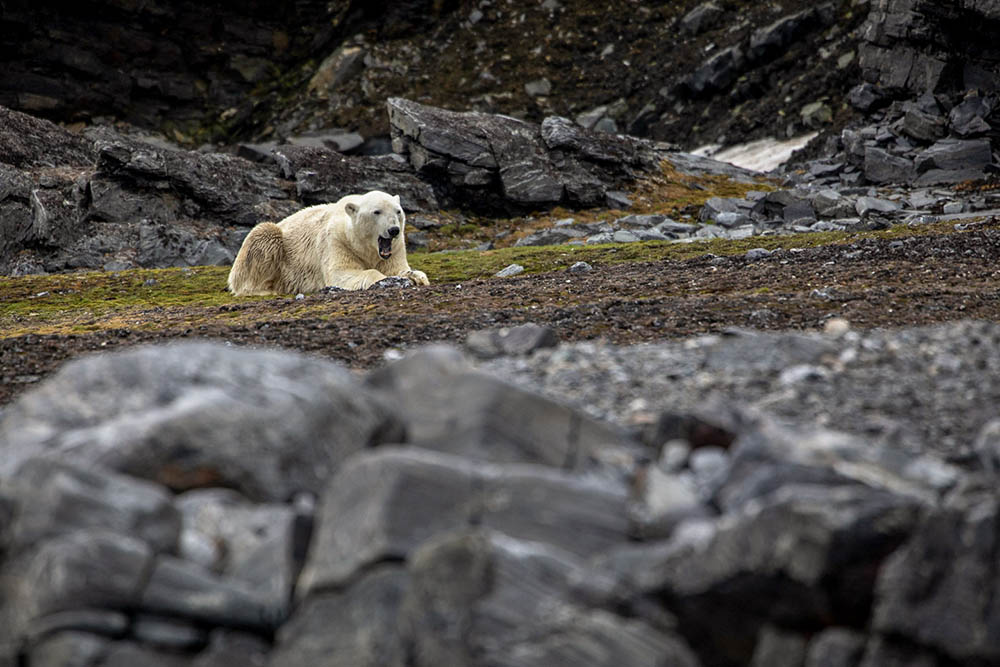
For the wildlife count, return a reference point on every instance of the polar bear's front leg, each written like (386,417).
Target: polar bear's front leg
(355,279)
(417,277)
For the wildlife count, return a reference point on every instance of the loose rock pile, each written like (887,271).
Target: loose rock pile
(199,504)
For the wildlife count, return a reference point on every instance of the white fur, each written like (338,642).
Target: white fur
(329,244)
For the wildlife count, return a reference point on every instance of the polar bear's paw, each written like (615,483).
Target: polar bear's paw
(418,277)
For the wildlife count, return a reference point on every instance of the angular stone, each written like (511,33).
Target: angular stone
(529,165)
(510,271)
(68,649)
(198,414)
(82,569)
(168,633)
(358,627)
(130,654)
(832,204)
(778,649)
(769,41)
(103,622)
(53,498)
(229,647)
(703,17)
(940,589)
(538,88)
(385,504)
(955,154)
(480,598)
(448,406)
(783,204)
(967,119)
(835,647)
(866,205)
(883,167)
(519,340)
(922,125)
(552,236)
(32,142)
(866,97)
(225,186)
(253,544)
(186,590)
(716,205)
(640,221)
(767,456)
(716,73)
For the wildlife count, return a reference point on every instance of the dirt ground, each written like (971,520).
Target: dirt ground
(872,283)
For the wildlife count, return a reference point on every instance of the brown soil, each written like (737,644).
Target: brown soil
(872,283)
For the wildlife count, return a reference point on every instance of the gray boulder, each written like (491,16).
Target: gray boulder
(482,159)
(449,407)
(956,155)
(251,544)
(519,340)
(716,73)
(703,17)
(265,422)
(49,498)
(356,627)
(384,505)
(883,167)
(181,589)
(81,569)
(481,598)
(938,591)
(968,118)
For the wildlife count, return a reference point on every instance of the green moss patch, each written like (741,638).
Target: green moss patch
(155,299)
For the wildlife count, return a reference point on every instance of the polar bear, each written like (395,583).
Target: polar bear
(352,244)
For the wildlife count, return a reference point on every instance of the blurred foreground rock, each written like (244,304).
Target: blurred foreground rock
(198,504)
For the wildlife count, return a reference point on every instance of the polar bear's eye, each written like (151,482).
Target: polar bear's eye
(378,212)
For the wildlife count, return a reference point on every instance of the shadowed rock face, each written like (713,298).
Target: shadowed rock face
(922,45)
(481,159)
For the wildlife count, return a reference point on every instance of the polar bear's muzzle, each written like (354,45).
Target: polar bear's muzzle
(385,247)
(385,242)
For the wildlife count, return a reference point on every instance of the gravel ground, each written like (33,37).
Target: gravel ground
(925,388)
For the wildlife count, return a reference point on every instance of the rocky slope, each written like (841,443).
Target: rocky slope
(686,72)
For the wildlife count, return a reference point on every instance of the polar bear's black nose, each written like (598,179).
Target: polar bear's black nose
(394,231)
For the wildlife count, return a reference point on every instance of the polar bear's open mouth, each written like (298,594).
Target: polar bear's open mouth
(384,247)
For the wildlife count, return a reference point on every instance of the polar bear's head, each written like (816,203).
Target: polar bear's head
(377,218)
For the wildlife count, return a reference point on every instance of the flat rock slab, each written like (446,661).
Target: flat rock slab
(269,423)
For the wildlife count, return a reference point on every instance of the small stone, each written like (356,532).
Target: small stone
(836,326)
(509,271)
(149,282)
(300,296)
(757,253)
(953,207)
(581,267)
(701,18)
(624,236)
(866,205)
(617,199)
(538,88)
(816,115)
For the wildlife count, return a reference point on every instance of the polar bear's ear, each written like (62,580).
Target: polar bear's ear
(396,197)
(352,209)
